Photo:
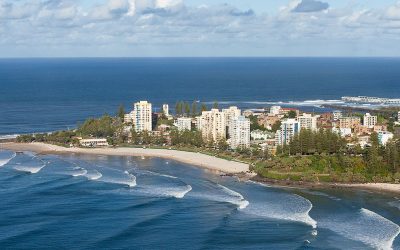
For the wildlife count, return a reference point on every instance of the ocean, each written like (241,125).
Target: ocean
(98,202)
(40,95)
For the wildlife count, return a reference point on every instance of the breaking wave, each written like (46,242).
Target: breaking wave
(283,206)
(178,192)
(32,167)
(93,175)
(290,207)
(224,194)
(367,227)
(29,169)
(125,178)
(6,157)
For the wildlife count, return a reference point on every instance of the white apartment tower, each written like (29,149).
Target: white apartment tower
(165,108)
(369,120)
(183,123)
(212,125)
(307,121)
(289,128)
(239,133)
(230,114)
(142,116)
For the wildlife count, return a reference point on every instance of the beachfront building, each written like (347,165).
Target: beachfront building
(165,109)
(239,132)
(142,116)
(343,132)
(275,110)
(128,118)
(183,123)
(259,135)
(212,125)
(93,143)
(307,121)
(289,128)
(230,114)
(370,120)
(384,137)
(349,122)
(337,114)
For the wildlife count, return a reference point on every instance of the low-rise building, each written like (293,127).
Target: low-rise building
(384,137)
(183,123)
(307,121)
(275,110)
(370,120)
(248,113)
(268,120)
(349,122)
(337,114)
(378,128)
(93,143)
(259,135)
(343,132)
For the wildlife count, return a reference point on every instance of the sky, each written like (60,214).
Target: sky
(191,28)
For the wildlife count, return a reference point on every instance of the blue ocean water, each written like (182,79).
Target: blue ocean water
(40,95)
(98,202)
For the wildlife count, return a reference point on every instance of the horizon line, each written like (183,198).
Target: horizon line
(199,57)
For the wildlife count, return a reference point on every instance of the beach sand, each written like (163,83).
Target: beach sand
(196,159)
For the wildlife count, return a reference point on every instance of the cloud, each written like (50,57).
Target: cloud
(151,27)
(310,6)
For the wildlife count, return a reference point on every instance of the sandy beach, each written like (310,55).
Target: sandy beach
(196,159)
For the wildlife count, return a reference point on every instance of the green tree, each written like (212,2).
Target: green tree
(187,109)
(121,112)
(178,108)
(215,105)
(203,107)
(194,108)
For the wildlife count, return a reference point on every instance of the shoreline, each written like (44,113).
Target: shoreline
(218,165)
(386,188)
(197,159)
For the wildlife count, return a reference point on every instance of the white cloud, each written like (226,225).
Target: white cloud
(171,23)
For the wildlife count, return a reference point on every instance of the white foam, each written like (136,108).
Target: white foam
(93,175)
(79,172)
(127,179)
(365,226)
(158,174)
(225,195)
(178,192)
(290,207)
(7,160)
(395,204)
(238,199)
(29,169)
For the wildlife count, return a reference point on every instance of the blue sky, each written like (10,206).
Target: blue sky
(125,28)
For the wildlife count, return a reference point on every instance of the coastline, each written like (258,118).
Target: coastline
(197,159)
(218,165)
(374,187)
